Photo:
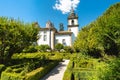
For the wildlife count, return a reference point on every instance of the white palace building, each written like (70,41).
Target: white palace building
(50,36)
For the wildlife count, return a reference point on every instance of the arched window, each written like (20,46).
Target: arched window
(72,22)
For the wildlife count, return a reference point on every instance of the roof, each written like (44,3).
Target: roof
(64,33)
(72,15)
(44,29)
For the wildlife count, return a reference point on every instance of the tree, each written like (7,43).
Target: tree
(14,37)
(30,49)
(101,36)
(61,27)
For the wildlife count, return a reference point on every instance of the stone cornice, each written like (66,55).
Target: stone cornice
(73,25)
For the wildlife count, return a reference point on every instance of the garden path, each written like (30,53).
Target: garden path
(58,72)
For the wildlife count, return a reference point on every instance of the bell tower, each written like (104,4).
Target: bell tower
(73,23)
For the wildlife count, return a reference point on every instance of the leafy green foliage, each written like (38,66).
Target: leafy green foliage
(99,39)
(88,68)
(14,37)
(22,74)
(101,36)
(112,71)
(29,66)
(40,72)
(30,49)
(2,68)
(68,72)
(43,48)
(59,46)
(8,76)
(68,49)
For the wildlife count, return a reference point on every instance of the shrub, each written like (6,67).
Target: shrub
(11,76)
(68,72)
(30,49)
(68,49)
(2,68)
(43,48)
(59,46)
(12,73)
(40,72)
(112,71)
(67,75)
(26,55)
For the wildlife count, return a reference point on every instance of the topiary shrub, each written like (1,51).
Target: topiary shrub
(68,72)
(40,72)
(68,49)
(43,48)
(13,73)
(11,76)
(67,75)
(30,49)
(59,47)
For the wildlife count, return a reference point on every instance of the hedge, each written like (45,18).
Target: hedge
(67,75)
(40,72)
(68,72)
(33,75)
(11,76)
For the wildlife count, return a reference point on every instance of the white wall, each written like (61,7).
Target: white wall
(40,40)
(47,42)
(74,30)
(66,37)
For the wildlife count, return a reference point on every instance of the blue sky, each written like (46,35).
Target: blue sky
(44,10)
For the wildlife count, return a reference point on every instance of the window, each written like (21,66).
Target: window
(45,32)
(72,22)
(45,38)
(64,42)
(56,41)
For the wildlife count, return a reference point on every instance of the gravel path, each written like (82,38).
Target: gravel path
(58,72)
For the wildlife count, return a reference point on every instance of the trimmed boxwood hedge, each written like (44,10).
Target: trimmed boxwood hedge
(67,75)
(68,72)
(11,76)
(33,75)
(40,72)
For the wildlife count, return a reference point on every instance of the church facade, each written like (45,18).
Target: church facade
(50,36)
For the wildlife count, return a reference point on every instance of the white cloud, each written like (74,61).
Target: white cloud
(66,5)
